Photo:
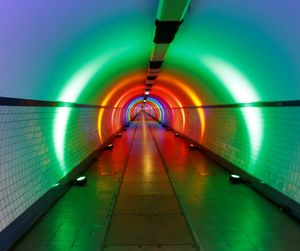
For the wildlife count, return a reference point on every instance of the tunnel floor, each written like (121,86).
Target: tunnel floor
(151,192)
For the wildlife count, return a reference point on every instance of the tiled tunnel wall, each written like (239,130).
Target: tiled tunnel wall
(29,165)
(264,141)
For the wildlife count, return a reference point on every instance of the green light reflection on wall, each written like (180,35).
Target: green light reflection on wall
(70,93)
(241,88)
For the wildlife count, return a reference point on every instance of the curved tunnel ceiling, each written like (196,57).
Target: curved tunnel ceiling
(224,50)
(98,53)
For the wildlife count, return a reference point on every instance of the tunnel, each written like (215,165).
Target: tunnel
(150,125)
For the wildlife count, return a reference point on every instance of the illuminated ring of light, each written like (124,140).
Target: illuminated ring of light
(159,108)
(191,94)
(150,100)
(241,90)
(155,99)
(138,101)
(118,103)
(119,85)
(140,76)
(70,93)
(176,100)
(154,111)
(167,102)
(131,105)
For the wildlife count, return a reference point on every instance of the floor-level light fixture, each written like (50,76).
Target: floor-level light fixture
(192,146)
(235,179)
(109,146)
(80,181)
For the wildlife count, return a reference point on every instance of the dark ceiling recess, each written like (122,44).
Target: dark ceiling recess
(155,64)
(165,31)
(151,77)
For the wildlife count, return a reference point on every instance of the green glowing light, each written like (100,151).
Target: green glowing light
(81,178)
(73,89)
(59,131)
(241,89)
(239,86)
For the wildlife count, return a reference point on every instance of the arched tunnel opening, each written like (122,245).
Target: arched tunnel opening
(149,125)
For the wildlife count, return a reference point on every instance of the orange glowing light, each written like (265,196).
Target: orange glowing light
(193,96)
(165,91)
(112,93)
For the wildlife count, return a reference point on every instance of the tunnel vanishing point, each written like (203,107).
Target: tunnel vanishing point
(150,125)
